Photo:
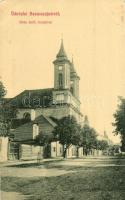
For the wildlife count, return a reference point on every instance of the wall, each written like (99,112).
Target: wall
(80,151)
(29,152)
(55,111)
(24,132)
(3,149)
(56,149)
(71,152)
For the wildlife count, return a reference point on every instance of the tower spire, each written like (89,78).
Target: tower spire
(86,121)
(72,66)
(61,54)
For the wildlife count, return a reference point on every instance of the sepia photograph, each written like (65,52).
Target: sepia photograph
(62,100)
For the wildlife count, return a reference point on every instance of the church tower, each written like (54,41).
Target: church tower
(74,81)
(66,84)
(61,70)
(65,76)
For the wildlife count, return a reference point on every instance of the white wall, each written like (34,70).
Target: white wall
(56,149)
(28,152)
(71,152)
(3,149)
(80,152)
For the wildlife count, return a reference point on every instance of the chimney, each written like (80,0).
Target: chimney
(35,130)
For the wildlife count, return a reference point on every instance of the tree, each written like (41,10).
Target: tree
(119,123)
(2,90)
(102,145)
(44,139)
(67,132)
(89,137)
(7,112)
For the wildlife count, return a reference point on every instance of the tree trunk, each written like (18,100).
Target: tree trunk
(77,152)
(64,152)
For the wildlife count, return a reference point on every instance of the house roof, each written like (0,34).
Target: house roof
(24,132)
(39,119)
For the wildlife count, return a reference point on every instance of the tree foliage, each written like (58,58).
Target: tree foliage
(102,145)
(2,90)
(67,132)
(119,123)
(7,112)
(89,137)
(44,138)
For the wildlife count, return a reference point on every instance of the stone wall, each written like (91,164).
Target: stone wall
(55,111)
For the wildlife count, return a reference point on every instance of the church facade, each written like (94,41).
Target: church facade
(41,105)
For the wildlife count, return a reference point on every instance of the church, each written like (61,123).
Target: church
(39,107)
(59,101)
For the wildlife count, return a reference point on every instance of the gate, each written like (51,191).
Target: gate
(13,151)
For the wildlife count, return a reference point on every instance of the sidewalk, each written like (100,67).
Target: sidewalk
(18,162)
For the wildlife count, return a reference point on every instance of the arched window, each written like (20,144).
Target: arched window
(72,90)
(27,116)
(60,80)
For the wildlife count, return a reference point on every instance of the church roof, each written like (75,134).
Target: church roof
(45,91)
(42,95)
(61,54)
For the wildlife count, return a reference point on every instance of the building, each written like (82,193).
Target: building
(41,105)
(59,101)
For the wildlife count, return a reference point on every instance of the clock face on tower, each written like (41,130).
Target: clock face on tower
(60,67)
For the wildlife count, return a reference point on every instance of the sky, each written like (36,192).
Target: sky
(93,33)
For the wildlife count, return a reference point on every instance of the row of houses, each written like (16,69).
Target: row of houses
(17,151)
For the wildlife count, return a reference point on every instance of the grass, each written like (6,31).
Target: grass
(87,183)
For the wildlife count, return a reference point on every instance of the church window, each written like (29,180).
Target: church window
(71,89)
(60,68)
(60,80)
(26,116)
(60,97)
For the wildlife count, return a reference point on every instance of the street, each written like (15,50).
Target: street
(88,178)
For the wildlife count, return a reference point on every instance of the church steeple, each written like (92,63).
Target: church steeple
(74,86)
(61,54)
(65,76)
(61,70)
(72,66)
(66,81)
